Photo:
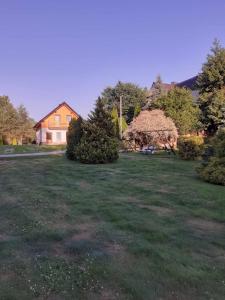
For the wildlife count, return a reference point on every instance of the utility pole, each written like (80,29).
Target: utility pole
(121,123)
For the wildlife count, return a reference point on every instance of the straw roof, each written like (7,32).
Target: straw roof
(153,124)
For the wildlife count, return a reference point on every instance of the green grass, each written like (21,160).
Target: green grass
(10,149)
(142,228)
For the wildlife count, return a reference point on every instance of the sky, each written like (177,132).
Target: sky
(53,51)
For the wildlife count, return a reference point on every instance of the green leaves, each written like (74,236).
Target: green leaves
(178,105)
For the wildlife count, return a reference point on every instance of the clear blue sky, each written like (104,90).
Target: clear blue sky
(52,50)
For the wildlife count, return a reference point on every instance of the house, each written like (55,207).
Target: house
(51,129)
(166,87)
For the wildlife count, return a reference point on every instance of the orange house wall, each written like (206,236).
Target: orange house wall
(63,111)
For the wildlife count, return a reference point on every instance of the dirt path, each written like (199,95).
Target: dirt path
(32,154)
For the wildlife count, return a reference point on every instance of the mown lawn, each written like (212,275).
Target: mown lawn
(5,149)
(142,228)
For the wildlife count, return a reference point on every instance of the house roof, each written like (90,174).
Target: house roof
(51,112)
(189,83)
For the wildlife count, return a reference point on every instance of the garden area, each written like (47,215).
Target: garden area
(144,227)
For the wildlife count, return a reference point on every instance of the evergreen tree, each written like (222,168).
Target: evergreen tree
(178,105)
(212,106)
(98,143)
(211,84)
(212,76)
(116,122)
(74,135)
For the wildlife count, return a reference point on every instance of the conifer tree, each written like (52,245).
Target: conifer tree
(74,135)
(98,143)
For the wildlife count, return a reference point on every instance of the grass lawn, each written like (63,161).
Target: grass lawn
(9,149)
(142,228)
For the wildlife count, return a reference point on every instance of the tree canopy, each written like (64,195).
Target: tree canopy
(211,84)
(133,97)
(14,123)
(179,106)
(212,76)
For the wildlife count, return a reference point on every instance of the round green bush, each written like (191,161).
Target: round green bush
(214,171)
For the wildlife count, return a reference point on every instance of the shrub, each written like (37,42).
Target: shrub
(74,135)
(213,166)
(190,148)
(213,171)
(98,143)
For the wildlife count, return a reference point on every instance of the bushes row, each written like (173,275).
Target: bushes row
(191,147)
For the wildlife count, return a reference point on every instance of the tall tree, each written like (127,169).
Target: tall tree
(211,84)
(74,135)
(212,76)
(178,105)
(116,122)
(132,95)
(24,125)
(8,118)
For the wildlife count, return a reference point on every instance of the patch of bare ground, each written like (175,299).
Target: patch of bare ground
(6,276)
(5,237)
(108,294)
(85,231)
(113,248)
(205,226)
(159,210)
(84,184)
(7,163)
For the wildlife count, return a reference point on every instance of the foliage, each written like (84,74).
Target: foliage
(98,143)
(213,166)
(15,124)
(178,105)
(190,148)
(74,135)
(212,106)
(24,125)
(211,84)
(212,76)
(151,127)
(116,122)
(132,96)
(8,118)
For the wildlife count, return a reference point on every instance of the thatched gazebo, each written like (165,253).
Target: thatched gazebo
(151,127)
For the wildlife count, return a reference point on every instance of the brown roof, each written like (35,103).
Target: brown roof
(56,108)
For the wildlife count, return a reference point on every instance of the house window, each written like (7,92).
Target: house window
(57,119)
(58,136)
(48,136)
(68,118)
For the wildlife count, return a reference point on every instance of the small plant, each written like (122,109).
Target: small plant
(190,148)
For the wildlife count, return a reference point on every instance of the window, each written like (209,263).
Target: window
(48,136)
(58,136)
(57,119)
(68,118)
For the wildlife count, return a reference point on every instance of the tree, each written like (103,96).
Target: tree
(178,105)
(24,125)
(211,84)
(8,118)
(132,95)
(212,76)
(74,135)
(212,106)
(98,143)
(116,122)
